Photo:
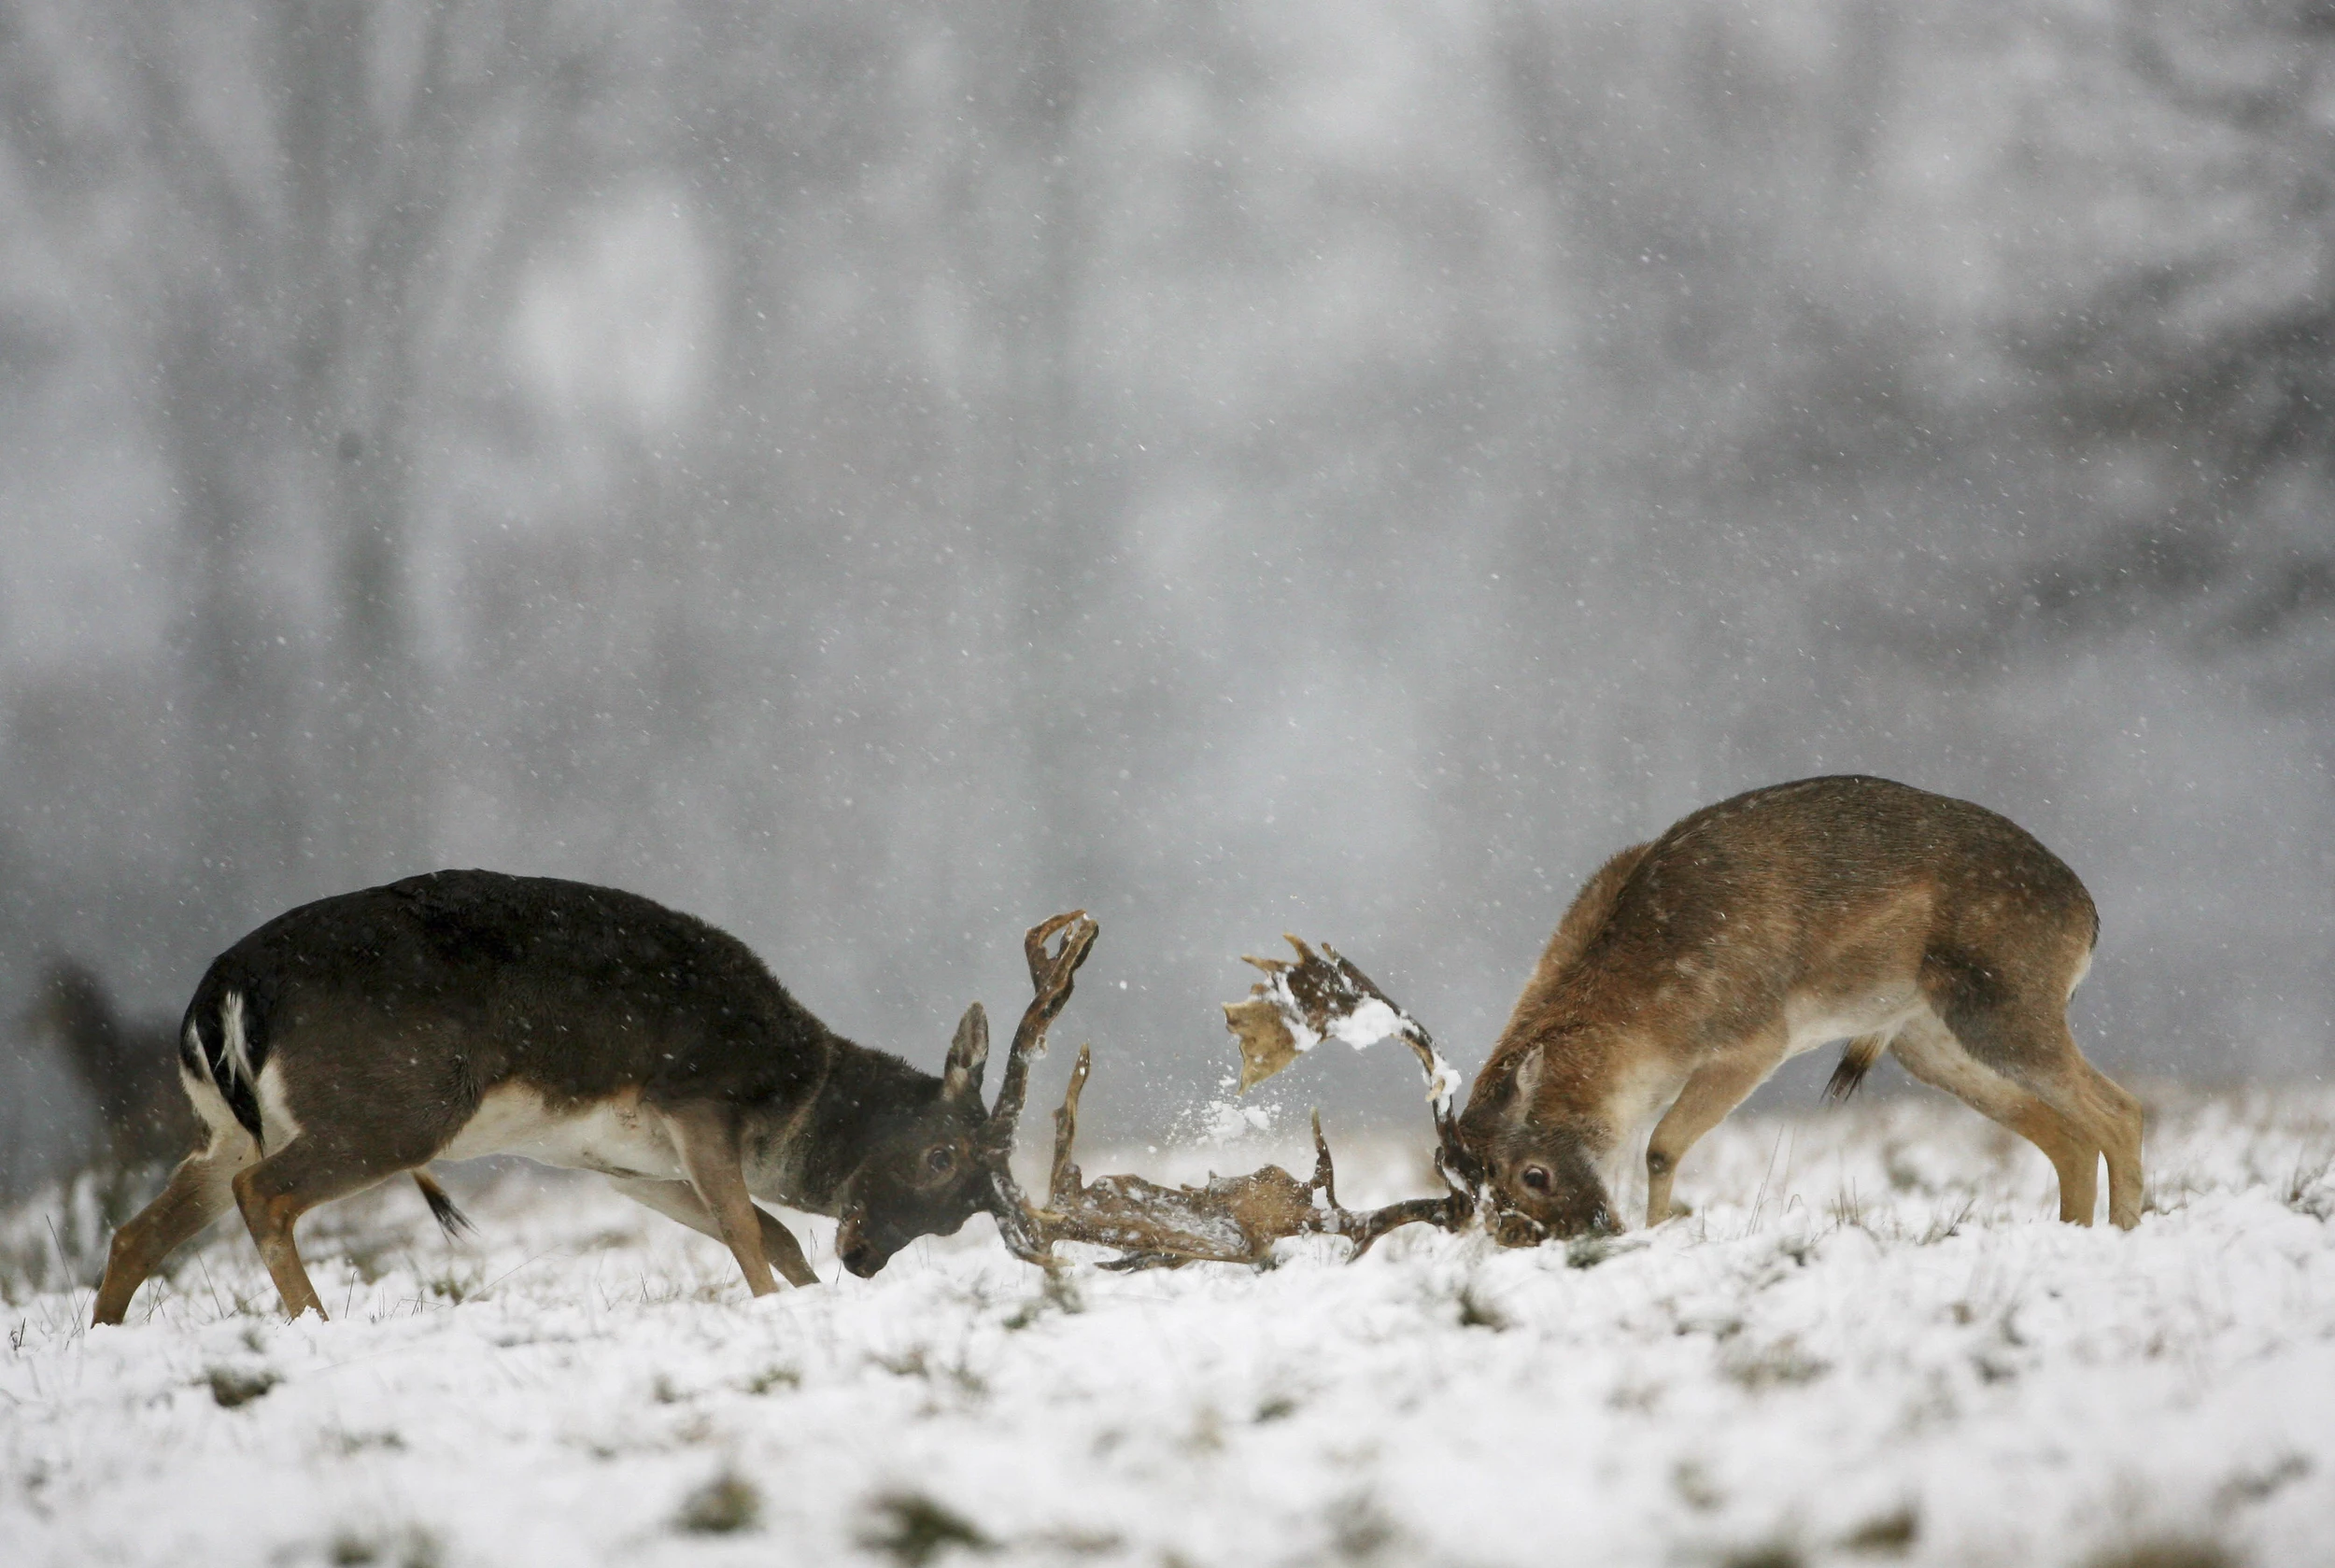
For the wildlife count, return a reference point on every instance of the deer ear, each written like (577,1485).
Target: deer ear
(1524,1081)
(969,1054)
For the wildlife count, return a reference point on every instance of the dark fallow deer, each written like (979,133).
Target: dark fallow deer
(465,1014)
(124,1064)
(1845,907)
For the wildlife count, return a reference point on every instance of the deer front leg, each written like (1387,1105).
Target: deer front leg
(707,1141)
(678,1200)
(1715,1090)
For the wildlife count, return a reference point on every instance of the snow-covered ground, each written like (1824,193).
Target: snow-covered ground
(1869,1344)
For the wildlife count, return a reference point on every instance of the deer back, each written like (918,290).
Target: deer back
(1825,887)
(449,985)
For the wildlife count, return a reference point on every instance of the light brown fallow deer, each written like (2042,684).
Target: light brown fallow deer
(1688,968)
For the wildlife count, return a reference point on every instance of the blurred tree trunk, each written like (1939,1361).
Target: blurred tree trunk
(305,184)
(367,280)
(1051,502)
(251,781)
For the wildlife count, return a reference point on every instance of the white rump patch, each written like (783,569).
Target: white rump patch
(278,1126)
(210,1105)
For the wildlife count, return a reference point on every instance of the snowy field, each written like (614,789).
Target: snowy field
(1868,1344)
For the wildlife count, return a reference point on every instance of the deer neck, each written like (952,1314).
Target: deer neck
(1599,1077)
(804,1152)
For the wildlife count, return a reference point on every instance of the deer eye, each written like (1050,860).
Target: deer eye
(941,1160)
(1536,1177)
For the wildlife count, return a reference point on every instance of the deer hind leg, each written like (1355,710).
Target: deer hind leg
(1715,1090)
(1934,1054)
(301,1176)
(198,1193)
(2121,1122)
(678,1200)
(2109,1119)
(707,1141)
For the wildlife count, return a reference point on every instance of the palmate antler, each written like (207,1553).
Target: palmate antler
(1052,969)
(1323,996)
(1233,1219)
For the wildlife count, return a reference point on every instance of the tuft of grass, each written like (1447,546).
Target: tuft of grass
(58,1241)
(2174,1550)
(2255,1486)
(913,1528)
(1694,1485)
(1780,1363)
(1588,1251)
(1764,1554)
(1059,1293)
(231,1386)
(915,1362)
(1077,1542)
(918,1361)
(722,1507)
(1890,1534)
(411,1547)
(774,1378)
(454,1286)
(1360,1529)
(1904,1175)
(1946,1225)
(2308,1191)
(1849,1208)
(1478,1310)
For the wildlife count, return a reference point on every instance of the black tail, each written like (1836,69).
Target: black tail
(1855,1061)
(450,1220)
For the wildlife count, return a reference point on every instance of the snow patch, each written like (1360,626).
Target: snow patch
(1883,1282)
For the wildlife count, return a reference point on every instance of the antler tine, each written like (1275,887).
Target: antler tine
(1052,970)
(1446,1213)
(1044,965)
(1325,1171)
(1062,1182)
(1051,973)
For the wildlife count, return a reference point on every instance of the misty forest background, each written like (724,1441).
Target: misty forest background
(876,474)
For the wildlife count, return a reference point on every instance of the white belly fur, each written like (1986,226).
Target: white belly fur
(1810,1022)
(617,1136)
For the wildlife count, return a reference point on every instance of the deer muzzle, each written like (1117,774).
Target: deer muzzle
(858,1251)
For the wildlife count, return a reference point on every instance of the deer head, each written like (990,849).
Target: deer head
(944,1163)
(922,1172)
